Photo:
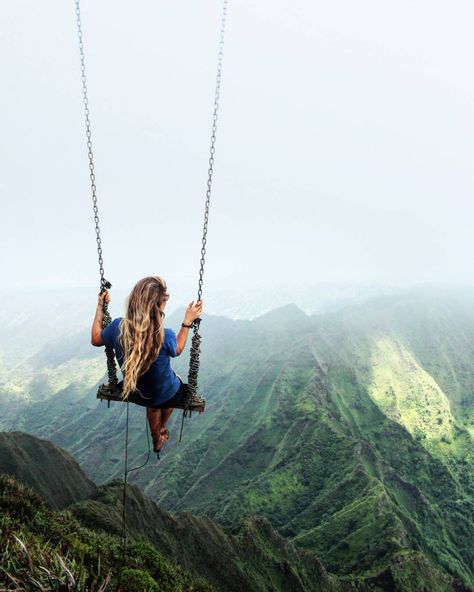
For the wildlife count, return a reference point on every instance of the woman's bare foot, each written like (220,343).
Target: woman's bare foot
(163,436)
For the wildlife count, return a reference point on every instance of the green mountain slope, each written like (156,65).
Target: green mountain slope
(351,432)
(360,452)
(45,467)
(80,550)
(52,551)
(253,557)
(179,553)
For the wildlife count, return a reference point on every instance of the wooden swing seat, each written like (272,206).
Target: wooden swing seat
(108,393)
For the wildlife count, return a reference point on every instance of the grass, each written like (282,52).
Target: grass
(51,551)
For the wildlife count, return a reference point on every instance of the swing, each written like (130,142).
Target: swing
(112,390)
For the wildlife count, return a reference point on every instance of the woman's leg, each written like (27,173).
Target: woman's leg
(154,421)
(165,415)
(164,431)
(157,419)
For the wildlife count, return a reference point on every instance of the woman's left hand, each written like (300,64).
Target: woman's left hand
(193,311)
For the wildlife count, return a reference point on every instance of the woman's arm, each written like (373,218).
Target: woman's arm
(96,338)
(193,312)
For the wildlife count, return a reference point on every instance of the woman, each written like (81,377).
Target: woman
(143,348)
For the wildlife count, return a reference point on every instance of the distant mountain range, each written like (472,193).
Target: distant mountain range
(350,432)
(32,369)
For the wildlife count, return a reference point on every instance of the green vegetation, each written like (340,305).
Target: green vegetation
(71,551)
(79,550)
(46,550)
(45,467)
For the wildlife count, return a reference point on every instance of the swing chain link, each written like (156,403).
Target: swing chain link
(212,149)
(104,284)
(195,351)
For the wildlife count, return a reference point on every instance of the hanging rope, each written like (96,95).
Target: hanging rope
(126,471)
(194,360)
(104,284)
(123,532)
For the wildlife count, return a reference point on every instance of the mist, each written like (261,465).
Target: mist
(344,150)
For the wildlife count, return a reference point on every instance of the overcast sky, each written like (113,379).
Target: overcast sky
(345,144)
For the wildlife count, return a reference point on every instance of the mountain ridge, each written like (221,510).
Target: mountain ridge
(184,549)
(45,467)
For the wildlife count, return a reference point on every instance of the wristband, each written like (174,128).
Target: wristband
(187,326)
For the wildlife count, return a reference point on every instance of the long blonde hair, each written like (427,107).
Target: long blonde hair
(141,330)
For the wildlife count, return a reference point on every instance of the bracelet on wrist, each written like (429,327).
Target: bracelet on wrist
(187,326)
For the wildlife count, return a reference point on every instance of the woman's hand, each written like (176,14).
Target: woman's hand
(193,312)
(96,338)
(103,297)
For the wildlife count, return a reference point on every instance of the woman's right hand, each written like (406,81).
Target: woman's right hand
(103,297)
(193,312)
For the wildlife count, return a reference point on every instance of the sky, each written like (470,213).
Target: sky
(344,152)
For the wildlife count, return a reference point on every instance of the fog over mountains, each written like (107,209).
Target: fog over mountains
(30,319)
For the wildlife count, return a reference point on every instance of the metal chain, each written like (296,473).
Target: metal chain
(212,149)
(104,284)
(196,339)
